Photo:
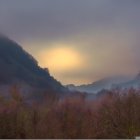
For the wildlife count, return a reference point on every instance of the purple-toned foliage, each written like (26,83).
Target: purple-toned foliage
(116,114)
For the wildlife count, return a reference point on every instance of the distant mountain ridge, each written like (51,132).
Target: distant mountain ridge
(16,66)
(107,83)
(133,83)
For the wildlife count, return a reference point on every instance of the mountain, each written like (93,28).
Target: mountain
(134,83)
(19,67)
(97,86)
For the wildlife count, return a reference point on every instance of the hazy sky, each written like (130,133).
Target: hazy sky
(80,41)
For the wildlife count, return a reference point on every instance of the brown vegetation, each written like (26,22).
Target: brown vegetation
(116,114)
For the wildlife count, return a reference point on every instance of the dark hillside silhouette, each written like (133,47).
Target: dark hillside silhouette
(16,66)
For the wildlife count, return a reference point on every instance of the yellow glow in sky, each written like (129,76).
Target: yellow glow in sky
(60,58)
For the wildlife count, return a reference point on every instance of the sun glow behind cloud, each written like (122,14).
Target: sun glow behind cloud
(60,58)
(87,58)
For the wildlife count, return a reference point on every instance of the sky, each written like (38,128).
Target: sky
(80,41)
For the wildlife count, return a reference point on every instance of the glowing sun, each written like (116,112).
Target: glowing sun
(60,58)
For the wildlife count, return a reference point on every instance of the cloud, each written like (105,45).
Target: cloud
(106,33)
(54,19)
